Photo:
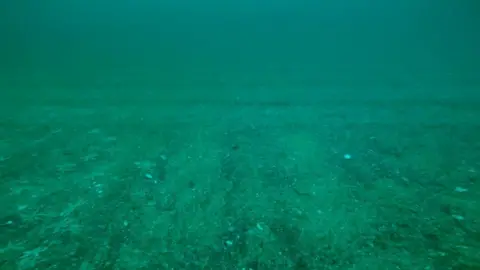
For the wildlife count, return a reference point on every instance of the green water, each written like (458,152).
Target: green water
(222,46)
(240,135)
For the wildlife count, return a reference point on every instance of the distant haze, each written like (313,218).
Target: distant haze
(240,44)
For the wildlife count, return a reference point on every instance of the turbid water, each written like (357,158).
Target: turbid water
(239,135)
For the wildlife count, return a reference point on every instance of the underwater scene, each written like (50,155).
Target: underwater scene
(240,135)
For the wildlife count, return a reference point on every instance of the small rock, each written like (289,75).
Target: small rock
(458,217)
(461,189)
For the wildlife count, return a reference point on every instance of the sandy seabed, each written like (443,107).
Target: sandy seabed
(240,185)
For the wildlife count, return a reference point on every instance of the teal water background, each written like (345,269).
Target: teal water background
(265,49)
